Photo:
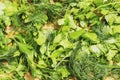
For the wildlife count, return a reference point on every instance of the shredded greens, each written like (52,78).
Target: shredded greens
(59,39)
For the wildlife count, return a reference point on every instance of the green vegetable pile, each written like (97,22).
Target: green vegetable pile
(59,39)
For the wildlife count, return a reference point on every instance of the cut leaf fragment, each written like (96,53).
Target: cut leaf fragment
(41,38)
(77,34)
(91,36)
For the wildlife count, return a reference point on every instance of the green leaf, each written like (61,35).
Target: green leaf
(106,30)
(98,2)
(83,24)
(95,50)
(117,20)
(65,28)
(27,50)
(89,15)
(102,48)
(16,53)
(104,12)
(116,29)
(110,18)
(61,21)
(42,64)
(110,40)
(2,7)
(66,44)
(111,54)
(41,39)
(70,21)
(43,49)
(55,55)
(91,36)
(58,38)
(7,21)
(24,47)
(63,70)
(11,8)
(117,7)
(76,34)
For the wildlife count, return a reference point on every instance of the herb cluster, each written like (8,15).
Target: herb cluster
(59,40)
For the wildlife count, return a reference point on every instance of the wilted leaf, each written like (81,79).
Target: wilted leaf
(28,76)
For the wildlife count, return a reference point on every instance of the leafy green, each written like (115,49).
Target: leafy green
(41,39)
(91,36)
(76,34)
(59,39)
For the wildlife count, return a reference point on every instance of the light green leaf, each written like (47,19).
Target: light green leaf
(2,6)
(117,20)
(76,34)
(41,39)
(11,8)
(83,24)
(106,30)
(63,70)
(7,21)
(55,55)
(27,49)
(102,48)
(43,49)
(91,36)
(1,12)
(116,29)
(89,15)
(110,18)
(111,54)
(95,50)
(66,44)
(74,10)
(70,21)
(98,2)
(104,12)
(61,21)
(65,28)
(24,47)
(16,53)
(58,38)
(110,40)
(42,64)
